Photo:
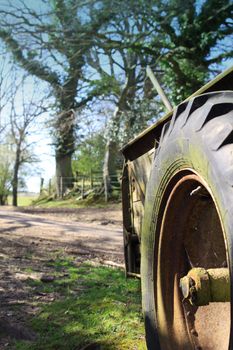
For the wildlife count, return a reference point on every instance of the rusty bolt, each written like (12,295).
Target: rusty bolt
(185,286)
(188,289)
(194,332)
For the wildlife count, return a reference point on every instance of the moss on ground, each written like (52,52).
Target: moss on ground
(95,304)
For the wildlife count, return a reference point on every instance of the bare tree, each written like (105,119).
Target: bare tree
(6,171)
(124,72)
(24,116)
(50,42)
(6,88)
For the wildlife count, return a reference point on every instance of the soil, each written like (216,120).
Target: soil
(32,238)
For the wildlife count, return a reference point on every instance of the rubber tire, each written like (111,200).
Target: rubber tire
(199,137)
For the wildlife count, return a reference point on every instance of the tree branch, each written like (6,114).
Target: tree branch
(31,66)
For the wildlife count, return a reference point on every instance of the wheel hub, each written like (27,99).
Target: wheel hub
(193,289)
(201,286)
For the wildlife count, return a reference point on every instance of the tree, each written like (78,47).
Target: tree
(89,156)
(125,74)
(178,41)
(5,87)
(6,157)
(22,119)
(190,41)
(182,42)
(52,45)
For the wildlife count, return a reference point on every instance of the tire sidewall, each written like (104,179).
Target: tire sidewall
(182,150)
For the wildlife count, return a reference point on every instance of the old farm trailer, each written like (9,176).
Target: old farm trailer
(177,190)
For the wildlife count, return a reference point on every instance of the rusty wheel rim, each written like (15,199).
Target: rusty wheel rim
(191,235)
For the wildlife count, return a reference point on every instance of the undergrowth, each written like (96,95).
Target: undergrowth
(51,202)
(95,304)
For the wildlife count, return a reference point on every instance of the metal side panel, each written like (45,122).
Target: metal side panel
(139,172)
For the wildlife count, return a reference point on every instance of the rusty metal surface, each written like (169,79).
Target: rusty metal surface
(146,140)
(139,172)
(126,199)
(183,244)
(131,240)
(134,181)
(201,287)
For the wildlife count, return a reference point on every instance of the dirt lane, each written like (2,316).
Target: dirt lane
(30,243)
(63,230)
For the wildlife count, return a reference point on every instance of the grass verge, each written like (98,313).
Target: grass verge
(23,200)
(50,202)
(95,305)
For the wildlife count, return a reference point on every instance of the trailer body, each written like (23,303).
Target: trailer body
(177,197)
(138,158)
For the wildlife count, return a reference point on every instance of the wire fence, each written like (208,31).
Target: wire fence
(81,184)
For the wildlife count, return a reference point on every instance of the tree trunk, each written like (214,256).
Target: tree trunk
(110,167)
(64,175)
(112,154)
(65,147)
(15,178)
(3,199)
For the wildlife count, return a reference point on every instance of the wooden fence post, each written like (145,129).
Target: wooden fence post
(50,187)
(41,184)
(91,179)
(83,184)
(61,186)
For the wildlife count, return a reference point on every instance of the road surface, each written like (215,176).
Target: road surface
(31,243)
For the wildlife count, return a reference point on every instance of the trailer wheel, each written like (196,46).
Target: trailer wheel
(189,223)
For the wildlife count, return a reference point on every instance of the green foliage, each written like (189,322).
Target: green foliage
(68,30)
(23,200)
(89,155)
(6,172)
(142,112)
(5,182)
(181,85)
(107,85)
(98,305)
(189,40)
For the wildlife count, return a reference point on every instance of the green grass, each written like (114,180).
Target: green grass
(23,201)
(96,304)
(48,202)
(59,203)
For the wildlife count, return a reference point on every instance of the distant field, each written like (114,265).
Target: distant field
(24,199)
